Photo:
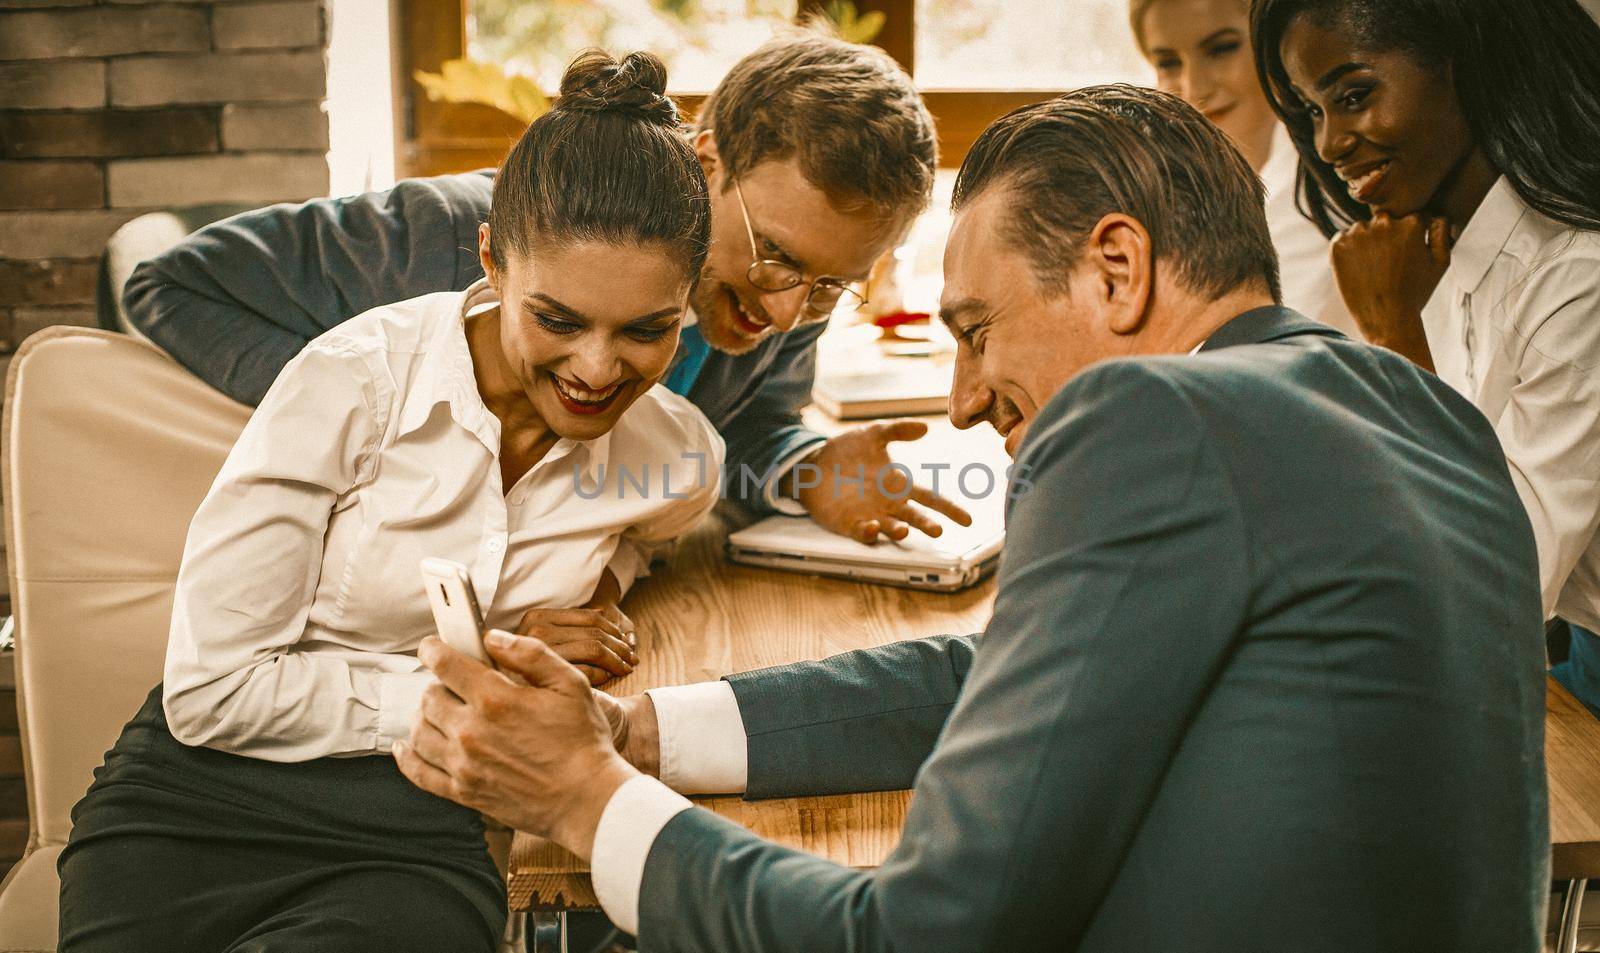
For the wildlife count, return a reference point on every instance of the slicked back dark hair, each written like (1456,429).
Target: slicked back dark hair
(610,162)
(1526,74)
(847,111)
(1071,161)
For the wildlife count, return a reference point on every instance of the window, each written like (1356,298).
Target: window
(698,39)
(973,59)
(1024,44)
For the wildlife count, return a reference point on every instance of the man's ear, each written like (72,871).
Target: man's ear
(487,259)
(1119,249)
(705,149)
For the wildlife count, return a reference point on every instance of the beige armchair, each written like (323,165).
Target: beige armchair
(106,448)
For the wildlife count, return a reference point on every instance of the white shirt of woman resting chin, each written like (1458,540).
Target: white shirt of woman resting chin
(1514,325)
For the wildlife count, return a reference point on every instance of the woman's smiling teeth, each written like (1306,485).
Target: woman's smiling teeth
(581,395)
(1363,185)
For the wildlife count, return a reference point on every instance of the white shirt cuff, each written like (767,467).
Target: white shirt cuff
(628,827)
(703,747)
(788,506)
(399,698)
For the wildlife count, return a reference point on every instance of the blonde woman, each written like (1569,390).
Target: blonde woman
(1201,52)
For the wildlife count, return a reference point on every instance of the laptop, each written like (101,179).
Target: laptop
(961,557)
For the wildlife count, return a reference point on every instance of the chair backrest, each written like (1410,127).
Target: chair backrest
(107,447)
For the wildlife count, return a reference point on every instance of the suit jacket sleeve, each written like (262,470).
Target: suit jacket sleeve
(861,721)
(1122,588)
(235,301)
(767,431)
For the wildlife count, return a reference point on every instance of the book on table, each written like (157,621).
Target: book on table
(904,388)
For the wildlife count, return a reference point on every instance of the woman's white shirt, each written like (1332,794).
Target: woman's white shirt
(1304,266)
(1514,325)
(299,605)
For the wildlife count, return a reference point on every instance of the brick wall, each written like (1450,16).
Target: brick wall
(110,109)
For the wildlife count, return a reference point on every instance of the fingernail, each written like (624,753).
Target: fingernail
(498,639)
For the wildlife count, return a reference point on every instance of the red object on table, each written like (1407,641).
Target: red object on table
(887,323)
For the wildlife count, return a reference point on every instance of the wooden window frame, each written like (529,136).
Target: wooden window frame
(435,138)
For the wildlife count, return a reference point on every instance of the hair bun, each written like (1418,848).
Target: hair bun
(597,82)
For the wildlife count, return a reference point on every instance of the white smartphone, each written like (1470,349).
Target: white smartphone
(455,607)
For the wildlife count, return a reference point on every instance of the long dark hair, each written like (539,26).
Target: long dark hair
(1526,73)
(610,162)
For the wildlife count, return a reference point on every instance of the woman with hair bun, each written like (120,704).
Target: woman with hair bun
(1450,146)
(252,804)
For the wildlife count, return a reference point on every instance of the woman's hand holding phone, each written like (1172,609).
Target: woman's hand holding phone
(595,637)
(590,638)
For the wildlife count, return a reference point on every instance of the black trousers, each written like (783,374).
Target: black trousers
(188,849)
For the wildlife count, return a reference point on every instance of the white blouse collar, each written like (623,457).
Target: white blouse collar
(1486,235)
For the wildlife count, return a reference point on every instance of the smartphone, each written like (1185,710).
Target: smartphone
(455,607)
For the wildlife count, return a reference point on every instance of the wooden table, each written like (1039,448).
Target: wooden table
(1572,761)
(1572,764)
(701,617)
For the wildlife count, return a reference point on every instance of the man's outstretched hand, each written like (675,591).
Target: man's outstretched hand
(538,757)
(851,486)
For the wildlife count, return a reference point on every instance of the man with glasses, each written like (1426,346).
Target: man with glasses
(818,153)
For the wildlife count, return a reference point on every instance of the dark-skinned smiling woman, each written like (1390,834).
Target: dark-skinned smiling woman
(1454,147)
(253,803)
(1200,51)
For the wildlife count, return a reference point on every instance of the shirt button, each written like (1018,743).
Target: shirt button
(518,497)
(496,544)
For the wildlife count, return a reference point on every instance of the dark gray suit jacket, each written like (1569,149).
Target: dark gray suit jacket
(235,301)
(1265,672)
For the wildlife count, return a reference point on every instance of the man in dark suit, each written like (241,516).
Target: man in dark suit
(1265,667)
(818,153)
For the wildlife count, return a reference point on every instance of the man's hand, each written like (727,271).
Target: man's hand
(537,757)
(849,488)
(592,638)
(1387,269)
(635,730)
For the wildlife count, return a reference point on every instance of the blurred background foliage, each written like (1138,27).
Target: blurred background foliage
(518,48)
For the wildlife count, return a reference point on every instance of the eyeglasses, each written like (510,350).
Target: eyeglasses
(773,276)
